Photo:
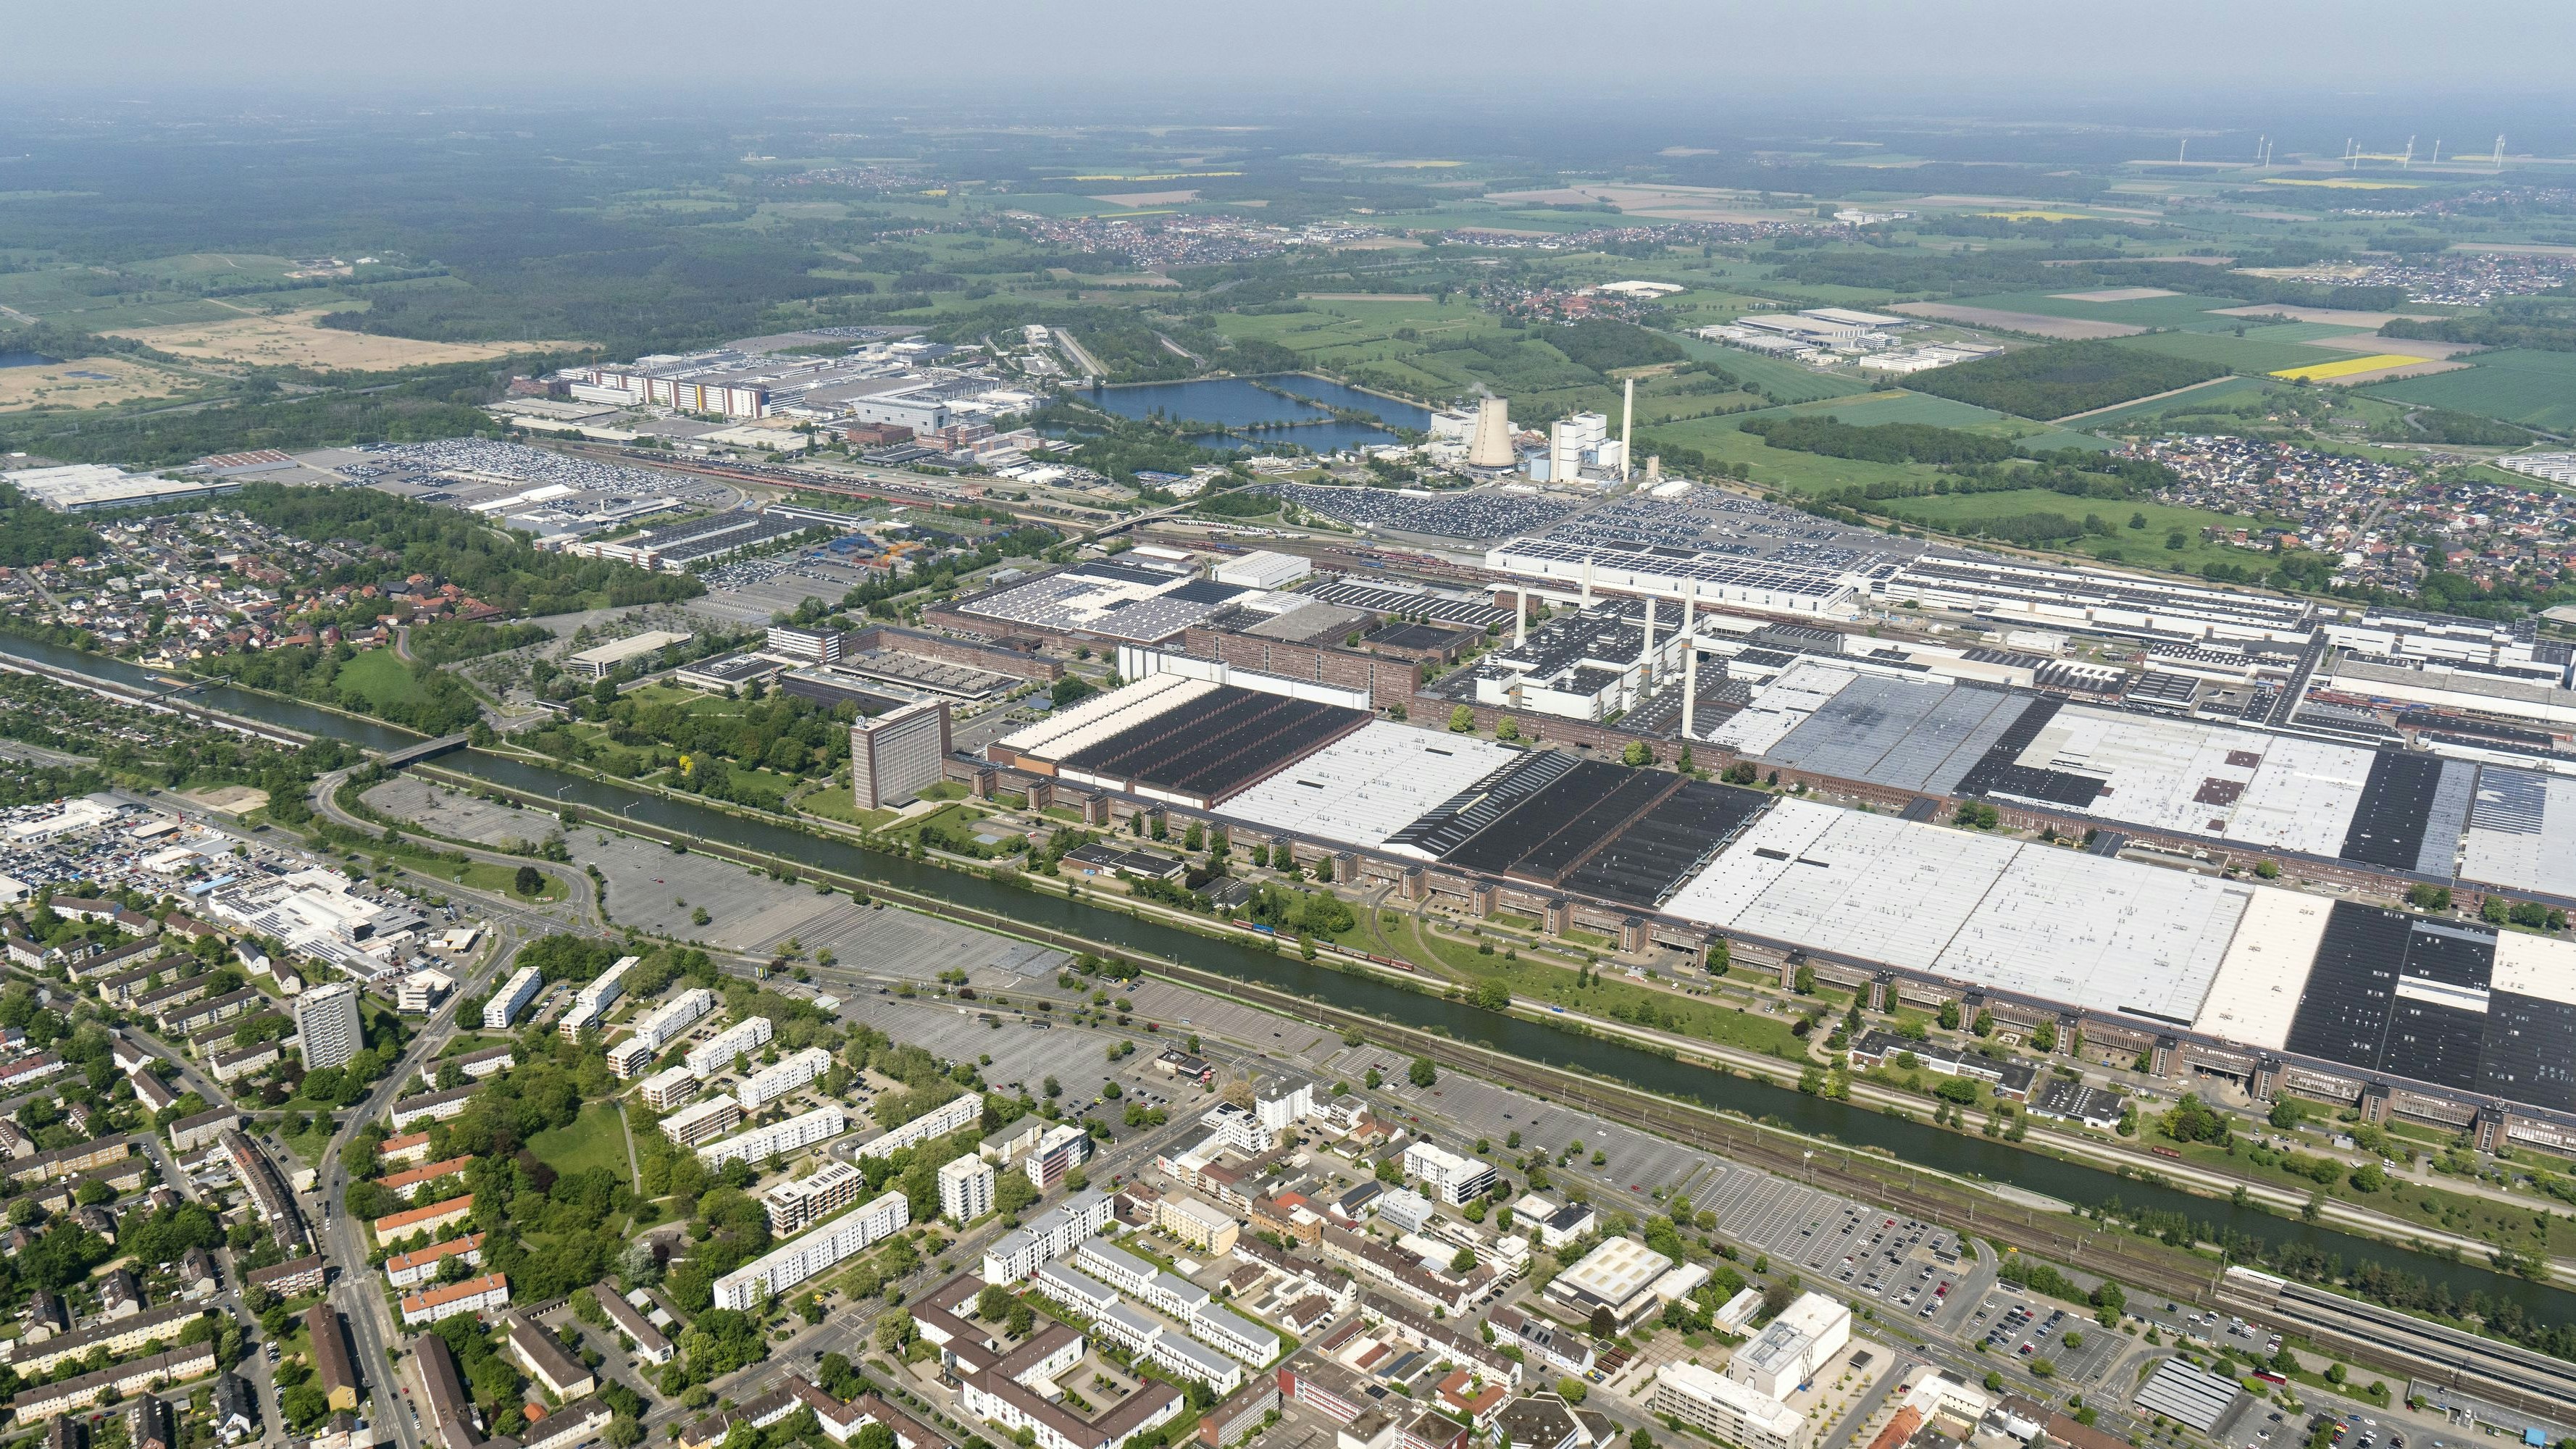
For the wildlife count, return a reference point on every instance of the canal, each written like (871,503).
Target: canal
(1536,1041)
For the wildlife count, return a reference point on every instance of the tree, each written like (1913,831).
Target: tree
(1463,1261)
(1803,981)
(1493,996)
(1572,1390)
(1462,721)
(1422,1073)
(2286,1114)
(1636,754)
(1020,1320)
(528,880)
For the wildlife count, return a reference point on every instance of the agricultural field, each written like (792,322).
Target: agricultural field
(2226,391)
(2518,385)
(2139,547)
(1786,381)
(2236,354)
(297,339)
(2178,310)
(2064,379)
(88,382)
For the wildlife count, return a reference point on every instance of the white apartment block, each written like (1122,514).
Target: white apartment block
(799,1204)
(955,1115)
(762,1143)
(702,1123)
(667,1089)
(1724,1409)
(801,1258)
(717,1052)
(1451,1178)
(965,1190)
(590,1005)
(513,997)
(771,1083)
(663,1025)
(1050,1235)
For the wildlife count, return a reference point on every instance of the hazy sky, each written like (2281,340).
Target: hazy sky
(1141,56)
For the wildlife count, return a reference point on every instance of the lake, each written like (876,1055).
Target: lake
(1235,402)
(26,359)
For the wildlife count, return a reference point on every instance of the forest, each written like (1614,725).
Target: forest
(2063,378)
(1879,443)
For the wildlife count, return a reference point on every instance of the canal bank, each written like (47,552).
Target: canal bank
(1635,1081)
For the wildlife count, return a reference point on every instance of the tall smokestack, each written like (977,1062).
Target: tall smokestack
(1627,425)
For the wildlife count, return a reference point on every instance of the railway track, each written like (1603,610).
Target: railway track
(2401,1348)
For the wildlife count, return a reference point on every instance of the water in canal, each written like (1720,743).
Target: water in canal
(1533,1040)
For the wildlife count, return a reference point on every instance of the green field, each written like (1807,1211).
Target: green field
(2302,331)
(380,679)
(2142,547)
(595,1139)
(2236,354)
(2536,389)
(2181,310)
(2230,390)
(1898,406)
(1784,380)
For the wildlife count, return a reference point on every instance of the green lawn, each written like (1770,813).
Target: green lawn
(595,1139)
(1542,983)
(832,802)
(379,678)
(2143,547)
(2537,389)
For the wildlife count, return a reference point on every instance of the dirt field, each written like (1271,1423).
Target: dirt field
(230,799)
(1673,203)
(1148,198)
(293,340)
(2073,329)
(84,382)
(2114,294)
(2424,347)
(2358,321)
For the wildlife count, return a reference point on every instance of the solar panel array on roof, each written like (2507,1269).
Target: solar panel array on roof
(2397,993)
(1446,826)
(1214,745)
(2388,825)
(1550,831)
(1648,861)
(2522,832)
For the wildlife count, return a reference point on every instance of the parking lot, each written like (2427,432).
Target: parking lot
(2018,1327)
(749,591)
(1634,1162)
(1901,1265)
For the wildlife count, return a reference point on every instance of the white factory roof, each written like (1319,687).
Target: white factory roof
(2257,991)
(631,647)
(1369,784)
(1069,730)
(2106,934)
(2202,779)
(2539,966)
(1613,1272)
(2522,832)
